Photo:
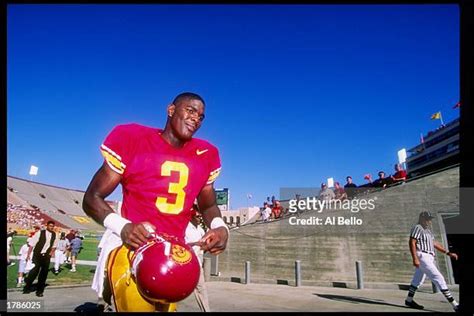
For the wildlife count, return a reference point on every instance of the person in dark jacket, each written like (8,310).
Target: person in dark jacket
(42,247)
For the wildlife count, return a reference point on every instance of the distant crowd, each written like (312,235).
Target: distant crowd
(274,210)
(23,217)
(350,188)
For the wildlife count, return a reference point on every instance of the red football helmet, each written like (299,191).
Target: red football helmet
(165,270)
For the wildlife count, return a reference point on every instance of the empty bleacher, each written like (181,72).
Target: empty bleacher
(61,204)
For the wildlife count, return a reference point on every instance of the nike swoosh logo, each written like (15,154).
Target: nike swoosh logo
(200,152)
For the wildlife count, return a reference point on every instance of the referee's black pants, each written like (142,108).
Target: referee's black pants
(42,268)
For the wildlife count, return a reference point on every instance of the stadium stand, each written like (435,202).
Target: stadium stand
(75,195)
(12,198)
(24,218)
(328,253)
(60,204)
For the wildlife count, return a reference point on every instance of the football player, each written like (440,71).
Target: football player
(162,173)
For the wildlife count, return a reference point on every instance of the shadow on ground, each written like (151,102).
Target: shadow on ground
(89,307)
(361,300)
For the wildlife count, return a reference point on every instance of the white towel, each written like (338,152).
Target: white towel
(109,242)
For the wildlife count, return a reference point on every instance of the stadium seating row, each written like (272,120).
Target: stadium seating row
(61,204)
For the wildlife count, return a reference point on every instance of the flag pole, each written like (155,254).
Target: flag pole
(441,118)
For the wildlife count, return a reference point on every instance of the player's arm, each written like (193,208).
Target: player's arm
(440,248)
(104,182)
(412,245)
(215,239)
(102,185)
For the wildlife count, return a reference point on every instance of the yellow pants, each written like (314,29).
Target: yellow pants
(126,296)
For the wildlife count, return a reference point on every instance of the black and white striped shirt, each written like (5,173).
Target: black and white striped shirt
(424,239)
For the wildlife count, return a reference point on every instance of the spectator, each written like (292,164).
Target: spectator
(76,246)
(70,236)
(60,253)
(266,212)
(194,233)
(326,194)
(339,192)
(42,245)
(400,174)
(382,181)
(277,210)
(23,253)
(10,235)
(350,187)
(36,229)
(368,177)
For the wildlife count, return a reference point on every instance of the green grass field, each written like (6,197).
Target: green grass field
(89,251)
(84,274)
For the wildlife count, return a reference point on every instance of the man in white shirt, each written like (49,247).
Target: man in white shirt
(266,212)
(42,246)
(326,194)
(194,233)
(60,253)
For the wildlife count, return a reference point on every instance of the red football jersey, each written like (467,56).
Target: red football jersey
(160,182)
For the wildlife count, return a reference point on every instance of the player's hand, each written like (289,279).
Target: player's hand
(416,262)
(136,235)
(215,240)
(453,255)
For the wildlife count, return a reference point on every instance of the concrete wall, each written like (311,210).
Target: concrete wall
(328,253)
(238,217)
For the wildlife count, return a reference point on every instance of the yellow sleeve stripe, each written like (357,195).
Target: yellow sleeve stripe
(113,162)
(217,171)
(213,176)
(110,151)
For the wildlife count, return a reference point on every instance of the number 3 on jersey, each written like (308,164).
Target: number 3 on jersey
(173,188)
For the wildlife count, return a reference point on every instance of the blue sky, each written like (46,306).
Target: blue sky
(295,94)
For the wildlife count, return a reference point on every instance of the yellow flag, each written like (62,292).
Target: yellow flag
(436,116)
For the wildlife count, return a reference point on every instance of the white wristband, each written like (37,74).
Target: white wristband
(218,222)
(115,223)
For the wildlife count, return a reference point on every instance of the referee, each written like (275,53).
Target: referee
(422,249)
